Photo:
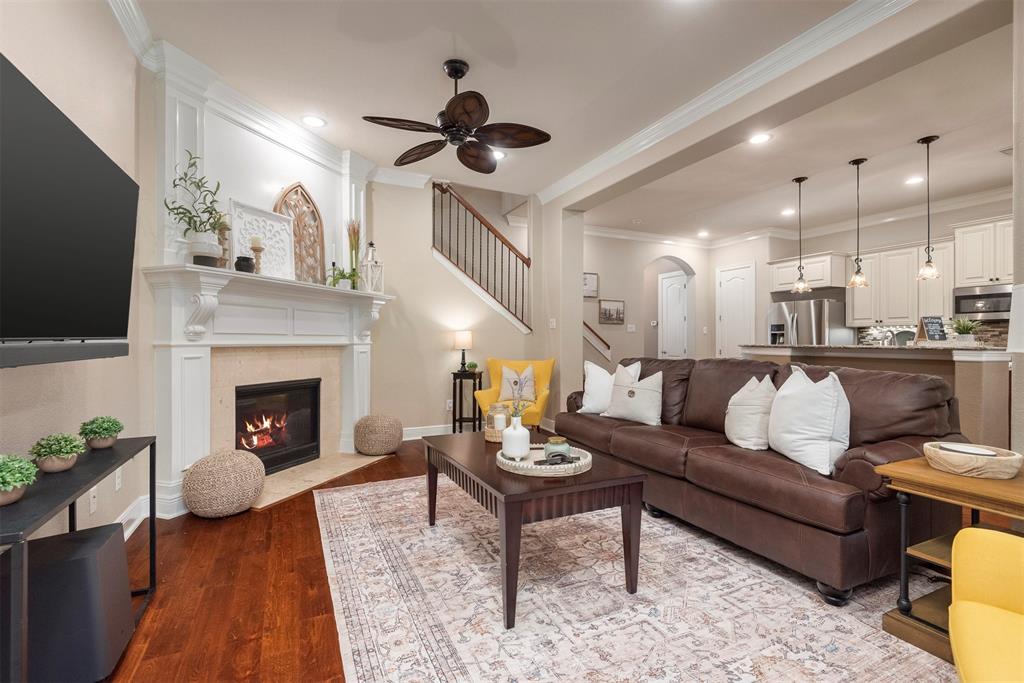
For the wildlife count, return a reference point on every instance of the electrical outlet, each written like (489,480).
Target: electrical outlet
(705,329)
(118,481)
(93,499)
(448,405)
(552,323)
(630,328)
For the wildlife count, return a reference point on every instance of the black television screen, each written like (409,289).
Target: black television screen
(67,224)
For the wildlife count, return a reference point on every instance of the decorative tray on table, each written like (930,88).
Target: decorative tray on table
(579,461)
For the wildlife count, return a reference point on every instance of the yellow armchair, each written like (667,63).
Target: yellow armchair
(542,370)
(986,617)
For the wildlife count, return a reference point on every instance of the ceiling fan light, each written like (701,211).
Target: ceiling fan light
(498,154)
(928,271)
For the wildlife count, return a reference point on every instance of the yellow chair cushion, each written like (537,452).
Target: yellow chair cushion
(987,642)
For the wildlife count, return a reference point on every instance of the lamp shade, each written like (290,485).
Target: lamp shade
(464,340)
(1015,344)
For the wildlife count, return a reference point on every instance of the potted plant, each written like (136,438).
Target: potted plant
(472,366)
(101,432)
(965,329)
(16,473)
(197,213)
(57,452)
(336,277)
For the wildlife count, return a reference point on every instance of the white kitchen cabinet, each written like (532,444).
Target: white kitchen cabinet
(862,302)
(897,283)
(984,254)
(935,297)
(820,270)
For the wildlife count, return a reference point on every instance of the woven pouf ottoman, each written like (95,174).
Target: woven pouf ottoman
(223,484)
(378,435)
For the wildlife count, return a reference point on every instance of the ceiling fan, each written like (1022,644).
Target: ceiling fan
(464,118)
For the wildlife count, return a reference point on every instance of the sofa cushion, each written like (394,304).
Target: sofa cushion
(662,449)
(886,405)
(591,431)
(774,483)
(675,378)
(713,381)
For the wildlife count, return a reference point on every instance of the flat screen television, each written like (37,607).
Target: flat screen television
(67,234)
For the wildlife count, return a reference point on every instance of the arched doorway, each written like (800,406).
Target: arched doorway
(670,307)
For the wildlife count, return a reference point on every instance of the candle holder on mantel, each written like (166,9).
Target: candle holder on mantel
(257,253)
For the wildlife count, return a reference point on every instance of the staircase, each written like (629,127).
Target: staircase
(490,264)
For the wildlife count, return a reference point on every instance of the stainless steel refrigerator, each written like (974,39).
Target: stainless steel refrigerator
(810,322)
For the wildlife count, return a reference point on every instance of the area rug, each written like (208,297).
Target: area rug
(415,603)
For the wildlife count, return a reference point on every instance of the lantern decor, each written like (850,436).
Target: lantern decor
(371,272)
(495,422)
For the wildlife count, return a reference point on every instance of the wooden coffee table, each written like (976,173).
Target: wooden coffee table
(515,499)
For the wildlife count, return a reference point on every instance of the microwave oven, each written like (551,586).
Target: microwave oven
(991,302)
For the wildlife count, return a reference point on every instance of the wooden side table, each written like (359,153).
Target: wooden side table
(459,418)
(924,622)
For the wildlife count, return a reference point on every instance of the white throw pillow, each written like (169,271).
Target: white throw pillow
(810,422)
(746,418)
(637,400)
(513,382)
(597,386)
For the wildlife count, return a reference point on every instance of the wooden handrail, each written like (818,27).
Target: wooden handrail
(599,337)
(447,189)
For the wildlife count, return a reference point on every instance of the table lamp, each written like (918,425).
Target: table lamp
(1015,343)
(463,342)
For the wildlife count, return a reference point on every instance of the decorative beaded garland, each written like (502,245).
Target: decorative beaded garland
(528,468)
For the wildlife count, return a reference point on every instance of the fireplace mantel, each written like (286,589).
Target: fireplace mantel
(200,308)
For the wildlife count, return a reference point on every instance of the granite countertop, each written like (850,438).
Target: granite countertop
(871,347)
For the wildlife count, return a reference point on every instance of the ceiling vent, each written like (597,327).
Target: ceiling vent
(1008,151)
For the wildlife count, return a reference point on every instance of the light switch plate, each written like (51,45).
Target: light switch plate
(118,481)
(448,405)
(93,500)
(552,323)
(631,328)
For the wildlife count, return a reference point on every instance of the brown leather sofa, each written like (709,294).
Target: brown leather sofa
(842,530)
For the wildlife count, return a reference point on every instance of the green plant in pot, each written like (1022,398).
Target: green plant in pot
(16,473)
(472,366)
(965,329)
(57,452)
(101,432)
(197,212)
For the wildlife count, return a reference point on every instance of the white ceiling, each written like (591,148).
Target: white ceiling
(964,95)
(589,73)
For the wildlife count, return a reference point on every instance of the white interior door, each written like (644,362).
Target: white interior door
(734,308)
(672,317)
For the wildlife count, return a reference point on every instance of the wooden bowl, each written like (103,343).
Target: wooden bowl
(1003,465)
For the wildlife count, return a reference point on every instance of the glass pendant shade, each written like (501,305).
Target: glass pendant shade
(800,286)
(858,279)
(928,271)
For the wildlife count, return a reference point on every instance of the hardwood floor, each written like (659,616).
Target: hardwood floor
(245,597)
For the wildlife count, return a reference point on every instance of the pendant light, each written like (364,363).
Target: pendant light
(928,270)
(859,279)
(800,286)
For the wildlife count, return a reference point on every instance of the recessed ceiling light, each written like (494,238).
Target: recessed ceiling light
(497,154)
(667,242)
(313,121)
(890,219)
(788,212)
(759,138)
(703,233)
(637,221)
(752,238)
(914,180)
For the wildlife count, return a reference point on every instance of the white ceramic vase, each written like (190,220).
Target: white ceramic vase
(515,440)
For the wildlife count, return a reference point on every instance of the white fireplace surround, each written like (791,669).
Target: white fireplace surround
(199,308)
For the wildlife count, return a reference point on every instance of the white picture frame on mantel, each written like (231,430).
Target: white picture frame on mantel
(278,259)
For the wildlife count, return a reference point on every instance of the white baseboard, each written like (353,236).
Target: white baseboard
(410,433)
(134,515)
(169,501)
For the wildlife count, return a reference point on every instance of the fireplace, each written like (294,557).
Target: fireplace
(279,422)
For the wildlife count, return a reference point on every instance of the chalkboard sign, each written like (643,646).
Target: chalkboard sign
(930,328)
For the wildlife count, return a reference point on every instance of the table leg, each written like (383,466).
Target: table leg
(631,519)
(903,603)
(431,491)
(15,636)
(975,517)
(455,413)
(152,517)
(72,516)
(510,524)
(458,407)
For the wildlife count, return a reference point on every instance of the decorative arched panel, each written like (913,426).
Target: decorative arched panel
(308,229)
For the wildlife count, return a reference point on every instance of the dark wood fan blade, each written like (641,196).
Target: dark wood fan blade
(511,135)
(403,124)
(420,152)
(467,109)
(477,156)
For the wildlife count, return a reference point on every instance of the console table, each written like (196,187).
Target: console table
(924,622)
(43,500)
(459,418)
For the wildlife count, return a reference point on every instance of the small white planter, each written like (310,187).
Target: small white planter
(965,338)
(204,245)
(344,284)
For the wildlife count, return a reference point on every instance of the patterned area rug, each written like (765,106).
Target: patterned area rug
(415,603)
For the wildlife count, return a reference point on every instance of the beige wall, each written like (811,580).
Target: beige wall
(75,53)
(758,253)
(412,341)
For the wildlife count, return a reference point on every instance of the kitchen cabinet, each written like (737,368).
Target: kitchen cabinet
(862,302)
(935,297)
(984,253)
(897,286)
(820,270)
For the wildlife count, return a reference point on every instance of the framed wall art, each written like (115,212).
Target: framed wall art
(590,285)
(611,311)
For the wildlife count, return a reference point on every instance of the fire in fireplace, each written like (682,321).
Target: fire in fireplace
(279,422)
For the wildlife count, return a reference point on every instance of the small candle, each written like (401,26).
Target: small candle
(499,422)
(256,242)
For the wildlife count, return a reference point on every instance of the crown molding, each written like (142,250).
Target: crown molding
(134,26)
(982,221)
(639,236)
(837,29)
(965,201)
(394,176)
